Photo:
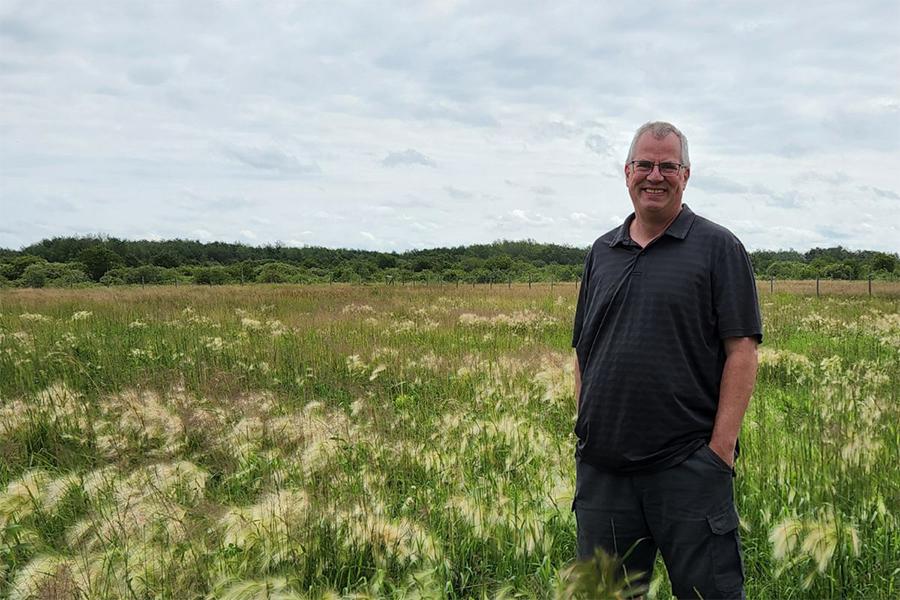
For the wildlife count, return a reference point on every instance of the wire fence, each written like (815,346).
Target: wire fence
(829,287)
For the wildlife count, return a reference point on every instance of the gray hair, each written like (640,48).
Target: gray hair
(660,129)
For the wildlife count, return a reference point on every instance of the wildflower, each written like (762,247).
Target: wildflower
(814,540)
(34,317)
(32,578)
(376,372)
(276,327)
(216,344)
(270,588)
(23,496)
(58,489)
(355,364)
(81,315)
(251,324)
(270,527)
(358,309)
(785,537)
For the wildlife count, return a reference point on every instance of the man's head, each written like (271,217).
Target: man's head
(657,170)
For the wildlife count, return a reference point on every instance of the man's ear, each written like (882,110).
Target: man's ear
(687,175)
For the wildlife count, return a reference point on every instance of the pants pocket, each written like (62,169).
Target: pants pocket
(716,459)
(728,567)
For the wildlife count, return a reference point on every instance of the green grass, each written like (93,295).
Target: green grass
(371,441)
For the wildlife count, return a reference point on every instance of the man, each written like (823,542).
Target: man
(665,335)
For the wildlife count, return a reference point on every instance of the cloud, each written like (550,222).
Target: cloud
(888,194)
(599,144)
(531,218)
(786,199)
(290,112)
(149,74)
(543,190)
(835,178)
(250,235)
(716,184)
(458,194)
(407,157)
(552,130)
(271,160)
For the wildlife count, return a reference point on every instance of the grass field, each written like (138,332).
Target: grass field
(371,441)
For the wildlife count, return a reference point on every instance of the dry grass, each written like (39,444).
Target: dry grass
(829,287)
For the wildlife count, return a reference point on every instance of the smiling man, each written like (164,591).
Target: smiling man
(665,335)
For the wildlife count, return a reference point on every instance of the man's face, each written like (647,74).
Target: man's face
(654,194)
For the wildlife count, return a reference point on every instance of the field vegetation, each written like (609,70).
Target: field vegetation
(87,261)
(339,441)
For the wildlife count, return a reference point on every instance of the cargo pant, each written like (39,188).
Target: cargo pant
(686,512)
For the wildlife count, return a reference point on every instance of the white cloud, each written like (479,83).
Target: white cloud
(182,118)
(271,160)
(407,157)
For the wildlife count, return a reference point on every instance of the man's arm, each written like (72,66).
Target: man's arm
(577,385)
(738,378)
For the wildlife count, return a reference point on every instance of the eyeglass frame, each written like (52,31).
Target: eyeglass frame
(659,165)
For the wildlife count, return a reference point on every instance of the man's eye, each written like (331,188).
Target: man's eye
(644,165)
(668,166)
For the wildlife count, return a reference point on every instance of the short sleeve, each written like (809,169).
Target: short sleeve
(583,295)
(734,294)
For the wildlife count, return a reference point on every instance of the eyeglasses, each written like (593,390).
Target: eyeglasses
(645,167)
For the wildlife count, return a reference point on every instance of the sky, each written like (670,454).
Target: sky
(401,125)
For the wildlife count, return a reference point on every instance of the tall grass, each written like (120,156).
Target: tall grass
(369,442)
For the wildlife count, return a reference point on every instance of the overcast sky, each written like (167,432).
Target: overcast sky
(399,125)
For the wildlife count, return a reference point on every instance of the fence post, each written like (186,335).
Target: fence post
(529,282)
(870,284)
(509,283)
(817,287)
(772,285)
(142,281)
(552,282)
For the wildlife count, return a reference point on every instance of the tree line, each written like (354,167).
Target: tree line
(93,260)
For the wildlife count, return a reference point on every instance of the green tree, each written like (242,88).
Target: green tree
(838,271)
(98,260)
(277,272)
(788,269)
(36,275)
(215,275)
(166,259)
(884,262)
(15,267)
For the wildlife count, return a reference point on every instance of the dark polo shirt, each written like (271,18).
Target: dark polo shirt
(649,331)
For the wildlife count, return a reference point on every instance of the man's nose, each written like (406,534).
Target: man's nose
(654,174)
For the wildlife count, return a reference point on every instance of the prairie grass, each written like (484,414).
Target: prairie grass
(398,442)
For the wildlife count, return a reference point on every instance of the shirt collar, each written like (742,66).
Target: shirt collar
(679,228)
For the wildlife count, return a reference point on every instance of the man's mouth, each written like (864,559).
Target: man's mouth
(654,191)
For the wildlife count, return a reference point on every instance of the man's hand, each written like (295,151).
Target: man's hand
(725,453)
(738,378)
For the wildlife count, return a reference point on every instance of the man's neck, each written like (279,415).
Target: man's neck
(643,231)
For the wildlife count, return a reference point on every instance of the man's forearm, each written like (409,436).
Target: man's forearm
(738,379)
